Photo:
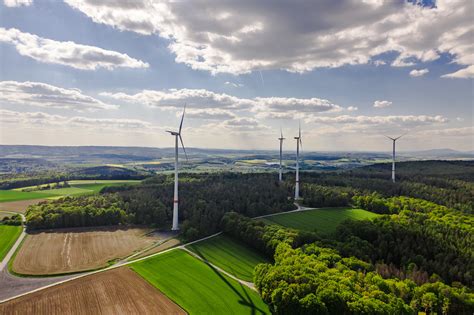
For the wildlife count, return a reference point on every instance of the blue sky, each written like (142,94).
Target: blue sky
(86,73)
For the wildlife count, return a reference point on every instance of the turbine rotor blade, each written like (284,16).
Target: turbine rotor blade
(182,144)
(182,118)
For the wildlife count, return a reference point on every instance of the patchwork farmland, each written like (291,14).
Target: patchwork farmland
(73,250)
(118,291)
(323,220)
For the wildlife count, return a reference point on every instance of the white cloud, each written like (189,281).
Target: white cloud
(236,85)
(418,73)
(408,120)
(464,73)
(242,36)
(208,114)
(17,3)
(40,119)
(450,132)
(67,53)
(352,108)
(382,104)
(204,99)
(48,96)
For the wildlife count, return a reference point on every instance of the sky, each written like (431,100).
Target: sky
(118,73)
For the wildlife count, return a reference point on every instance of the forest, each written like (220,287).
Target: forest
(308,277)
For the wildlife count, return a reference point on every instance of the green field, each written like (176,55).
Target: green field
(323,220)
(8,236)
(77,188)
(13,195)
(230,255)
(197,287)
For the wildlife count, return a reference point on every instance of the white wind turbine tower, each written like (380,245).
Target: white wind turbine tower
(298,143)
(281,152)
(393,155)
(177,135)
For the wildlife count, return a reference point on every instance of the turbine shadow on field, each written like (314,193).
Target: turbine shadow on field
(244,300)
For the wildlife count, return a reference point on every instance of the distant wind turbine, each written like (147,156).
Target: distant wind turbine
(298,143)
(281,152)
(177,135)
(393,155)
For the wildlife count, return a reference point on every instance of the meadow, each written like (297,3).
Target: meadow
(78,188)
(230,255)
(197,287)
(324,220)
(8,236)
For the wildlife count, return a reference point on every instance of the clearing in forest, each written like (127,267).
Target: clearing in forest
(78,249)
(232,256)
(324,220)
(197,287)
(117,291)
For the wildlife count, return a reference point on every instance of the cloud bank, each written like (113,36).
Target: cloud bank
(67,53)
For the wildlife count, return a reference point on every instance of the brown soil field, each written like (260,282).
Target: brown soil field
(73,250)
(18,206)
(117,291)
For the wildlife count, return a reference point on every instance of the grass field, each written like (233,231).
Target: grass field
(8,236)
(72,250)
(197,287)
(230,255)
(323,220)
(118,291)
(13,195)
(78,188)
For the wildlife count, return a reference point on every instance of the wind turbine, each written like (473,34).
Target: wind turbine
(393,155)
(177,135)
(281,149)
(298,143)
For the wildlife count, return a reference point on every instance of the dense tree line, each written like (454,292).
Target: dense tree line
(14,219)
(447,190)
(326,196)
(78,212)
(419,233)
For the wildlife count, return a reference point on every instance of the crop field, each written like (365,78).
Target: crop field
(232,256)
(13,195)
(323,220)
(18,206)
(197,287)
(73,250)
(8,236)
(117,291)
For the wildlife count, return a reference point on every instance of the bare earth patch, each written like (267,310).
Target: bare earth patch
(73,250)
(156,249)
(117,291)
(19,206)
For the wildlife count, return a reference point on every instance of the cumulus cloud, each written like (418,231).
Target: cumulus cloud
(236,85)
(40,119)
(382,104)
(243,36)
(48,96)
(208,114)
(67,53)
(400,120)
(418,73)
(464,73)
(204,99)
(352,108)
(17,3)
